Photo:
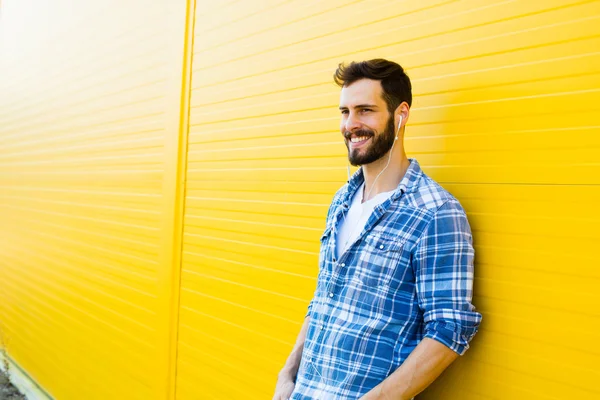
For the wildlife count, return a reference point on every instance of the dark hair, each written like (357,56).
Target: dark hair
(394,81)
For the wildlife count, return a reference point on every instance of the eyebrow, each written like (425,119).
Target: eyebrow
(360,106)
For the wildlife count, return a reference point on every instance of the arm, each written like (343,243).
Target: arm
(287,376)
(443,265)
(290,369)
(286,380)
(426,362)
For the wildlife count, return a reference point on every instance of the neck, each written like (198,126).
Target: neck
(390,178)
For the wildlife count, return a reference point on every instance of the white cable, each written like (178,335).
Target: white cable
(388,162)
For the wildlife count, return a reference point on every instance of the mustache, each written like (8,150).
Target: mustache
(360,132)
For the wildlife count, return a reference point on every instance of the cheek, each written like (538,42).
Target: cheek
(379,123)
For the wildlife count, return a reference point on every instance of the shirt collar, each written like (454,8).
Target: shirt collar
(408,183)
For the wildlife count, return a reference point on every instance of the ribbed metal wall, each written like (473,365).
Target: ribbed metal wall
(83,125)
(505,117)
(93,150)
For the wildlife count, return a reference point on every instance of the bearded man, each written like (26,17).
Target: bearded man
(392,308)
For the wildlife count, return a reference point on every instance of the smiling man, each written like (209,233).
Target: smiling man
(392,308)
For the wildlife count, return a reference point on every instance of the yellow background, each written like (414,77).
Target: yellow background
(166,167)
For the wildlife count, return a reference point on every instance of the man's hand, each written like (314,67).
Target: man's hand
(426,362)
(285,381)
(284,388)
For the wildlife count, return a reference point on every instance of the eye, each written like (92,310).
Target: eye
(366,110)
(344,112)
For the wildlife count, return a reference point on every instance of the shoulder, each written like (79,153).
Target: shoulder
(438,207)
(446,224)
(432,197)
(338,199)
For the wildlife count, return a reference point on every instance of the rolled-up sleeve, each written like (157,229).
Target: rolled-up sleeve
(443,262)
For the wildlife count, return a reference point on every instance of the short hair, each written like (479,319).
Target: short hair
(394,81)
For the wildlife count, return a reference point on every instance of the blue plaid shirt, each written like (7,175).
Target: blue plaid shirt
(408,275)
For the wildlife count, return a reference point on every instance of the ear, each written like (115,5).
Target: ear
(403,111)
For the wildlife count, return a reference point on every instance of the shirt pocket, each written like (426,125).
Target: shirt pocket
(379,258)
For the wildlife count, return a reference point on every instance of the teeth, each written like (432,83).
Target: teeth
(358,139)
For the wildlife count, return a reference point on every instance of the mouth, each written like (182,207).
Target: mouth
(358,141)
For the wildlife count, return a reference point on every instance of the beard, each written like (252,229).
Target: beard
(380,144)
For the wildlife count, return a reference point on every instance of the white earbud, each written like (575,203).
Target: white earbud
(398,130)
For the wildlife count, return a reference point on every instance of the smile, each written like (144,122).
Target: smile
(359,139)
(358,142)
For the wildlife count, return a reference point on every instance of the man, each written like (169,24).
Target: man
(392,308)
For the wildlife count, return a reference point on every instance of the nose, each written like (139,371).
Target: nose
(352,123)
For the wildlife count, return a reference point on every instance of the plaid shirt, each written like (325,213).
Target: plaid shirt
(407,276)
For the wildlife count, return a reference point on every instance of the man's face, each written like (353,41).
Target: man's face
(367,126)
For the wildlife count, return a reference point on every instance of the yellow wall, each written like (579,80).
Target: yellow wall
(95,156)
(89,129)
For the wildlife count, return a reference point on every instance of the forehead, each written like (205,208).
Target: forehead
(363,91)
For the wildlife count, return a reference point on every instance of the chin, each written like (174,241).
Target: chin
(355,162)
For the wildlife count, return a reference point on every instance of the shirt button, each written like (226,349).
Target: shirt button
(322,326)
(330,294)
(334,259)
(381,247)
(343,265)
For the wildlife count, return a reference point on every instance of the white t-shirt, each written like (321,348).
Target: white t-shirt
(356,218)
